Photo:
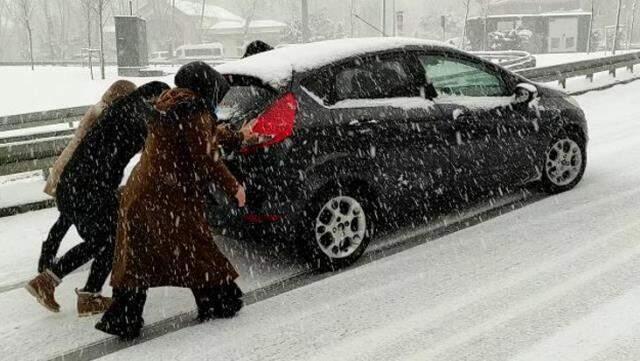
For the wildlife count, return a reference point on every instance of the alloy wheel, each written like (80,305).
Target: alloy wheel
(341,227)
(564,162)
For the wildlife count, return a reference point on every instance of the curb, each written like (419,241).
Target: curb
(24,208)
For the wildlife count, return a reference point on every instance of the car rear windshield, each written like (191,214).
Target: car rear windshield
(246,99)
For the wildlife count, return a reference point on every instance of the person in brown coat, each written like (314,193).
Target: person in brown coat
(51,245)
(163,237)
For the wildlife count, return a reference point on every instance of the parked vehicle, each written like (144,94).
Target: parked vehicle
(365,129)
(204,52)
(159,56)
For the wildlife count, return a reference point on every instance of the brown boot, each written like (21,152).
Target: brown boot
(43,288)
(90,304)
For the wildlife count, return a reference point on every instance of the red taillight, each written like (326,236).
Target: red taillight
(277,122)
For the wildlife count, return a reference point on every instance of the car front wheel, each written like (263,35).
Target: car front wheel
(565,164)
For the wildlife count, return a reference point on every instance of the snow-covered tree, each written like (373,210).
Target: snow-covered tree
(23,13)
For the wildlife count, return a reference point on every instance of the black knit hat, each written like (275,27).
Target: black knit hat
(152,89)
(257,47)
(204,80)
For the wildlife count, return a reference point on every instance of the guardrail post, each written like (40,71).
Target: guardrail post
(46,172)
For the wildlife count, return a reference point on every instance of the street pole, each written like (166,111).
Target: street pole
(593,13)
(395,20)
(633,23)
(615,36)
(305,21)
(384,17)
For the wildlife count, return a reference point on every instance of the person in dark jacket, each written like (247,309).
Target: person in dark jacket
(256,47)
(50,246)
(163,237)
(87,195)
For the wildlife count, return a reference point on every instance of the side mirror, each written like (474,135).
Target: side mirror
(525,93)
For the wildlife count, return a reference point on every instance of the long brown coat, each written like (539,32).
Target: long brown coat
(163,235)
(117,90)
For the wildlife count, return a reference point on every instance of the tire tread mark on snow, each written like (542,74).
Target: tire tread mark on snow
(113,344)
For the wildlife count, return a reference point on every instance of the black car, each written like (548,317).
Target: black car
(367,129)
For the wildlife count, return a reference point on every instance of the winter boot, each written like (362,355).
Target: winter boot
(219,302)
(90,304)
(119,326)
(124,317)
(43,288)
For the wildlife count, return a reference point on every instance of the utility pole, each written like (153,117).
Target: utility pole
(384,18)
(590,36)
(305,21)
(633,23)
(615,36)
(395,19)
(173,33)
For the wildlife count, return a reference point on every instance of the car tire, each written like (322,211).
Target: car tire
(565,161)
(337,228)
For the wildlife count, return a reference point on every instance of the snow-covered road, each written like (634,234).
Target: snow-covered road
(556,280)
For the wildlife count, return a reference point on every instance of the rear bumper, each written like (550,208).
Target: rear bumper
(276,197)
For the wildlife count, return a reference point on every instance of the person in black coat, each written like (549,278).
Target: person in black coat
(87,195)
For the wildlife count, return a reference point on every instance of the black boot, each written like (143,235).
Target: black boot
(124,317)
(218,302)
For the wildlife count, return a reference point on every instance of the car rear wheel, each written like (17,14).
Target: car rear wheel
(340,230)
(565,163)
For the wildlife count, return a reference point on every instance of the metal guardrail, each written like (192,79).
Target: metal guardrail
(22,151)
(512,60)
(586,68)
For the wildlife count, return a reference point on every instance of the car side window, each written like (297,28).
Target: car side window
(320,84)
(452,76)
(373,78)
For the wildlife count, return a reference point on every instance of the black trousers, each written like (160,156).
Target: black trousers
(51,245)
(98,232)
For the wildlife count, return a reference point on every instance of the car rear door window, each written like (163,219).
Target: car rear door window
(373,78)
(246,98)
(453,76)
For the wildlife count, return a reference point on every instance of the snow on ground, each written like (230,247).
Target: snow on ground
(555,280)
(24,190)
(56,87)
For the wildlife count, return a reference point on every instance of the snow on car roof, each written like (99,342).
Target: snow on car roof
(276,67)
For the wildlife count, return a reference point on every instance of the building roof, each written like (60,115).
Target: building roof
(210,11)
(253,24)
(277,66)
(256,26)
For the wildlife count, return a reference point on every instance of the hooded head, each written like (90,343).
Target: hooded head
(257,47)
(151,91)
(203,80)
(118,90)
